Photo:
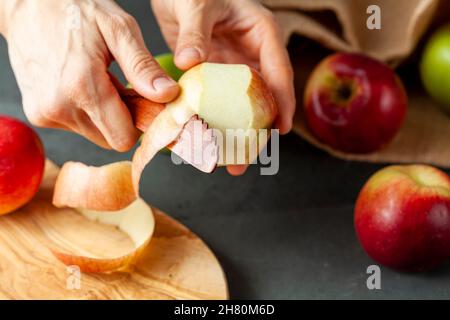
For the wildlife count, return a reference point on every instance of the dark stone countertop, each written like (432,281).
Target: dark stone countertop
(288,236)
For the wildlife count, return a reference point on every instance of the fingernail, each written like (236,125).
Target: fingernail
(190,54)
(163,83)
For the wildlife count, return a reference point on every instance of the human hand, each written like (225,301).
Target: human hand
(60,51)
(230,31)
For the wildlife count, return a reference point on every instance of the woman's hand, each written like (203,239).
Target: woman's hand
(230,31)
(60,51)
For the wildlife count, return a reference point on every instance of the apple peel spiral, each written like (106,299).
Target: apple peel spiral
(112,191)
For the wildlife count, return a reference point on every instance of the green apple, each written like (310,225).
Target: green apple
(166,62)
(435,67)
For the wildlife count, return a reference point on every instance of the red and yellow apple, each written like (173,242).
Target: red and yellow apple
(402,217)
(22,163)
(354,103)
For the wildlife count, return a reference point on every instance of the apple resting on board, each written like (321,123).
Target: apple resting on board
(354,103)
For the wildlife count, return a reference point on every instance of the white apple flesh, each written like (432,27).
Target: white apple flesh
(228,97)
(136,220)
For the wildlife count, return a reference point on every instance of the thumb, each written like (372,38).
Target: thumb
(125,42)
(194,37)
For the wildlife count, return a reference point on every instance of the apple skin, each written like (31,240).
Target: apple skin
(435,67)
(402,217)
(166,62)
(354,103)
(22,162)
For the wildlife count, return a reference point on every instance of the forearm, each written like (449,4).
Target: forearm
(6,10)
(2,17)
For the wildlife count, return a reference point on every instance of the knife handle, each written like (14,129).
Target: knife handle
(142,111)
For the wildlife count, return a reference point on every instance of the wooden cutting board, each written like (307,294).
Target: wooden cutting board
(176,264)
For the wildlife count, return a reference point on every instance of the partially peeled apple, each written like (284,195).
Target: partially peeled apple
(225,96)
(229,97)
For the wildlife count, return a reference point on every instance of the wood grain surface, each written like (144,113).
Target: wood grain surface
(175,265)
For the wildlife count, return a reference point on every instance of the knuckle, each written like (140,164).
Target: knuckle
(197,3)
(81,100)
(129,21)
(76,88)
(289,70)
(50,106)
(36,118)
(142,63)
(52,110)
(90,107)
(270,24)
(81,92)
(195,37)
(124,24)
(269,18)
(45,110)
(43,113)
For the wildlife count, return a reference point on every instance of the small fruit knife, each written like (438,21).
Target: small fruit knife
(144,111)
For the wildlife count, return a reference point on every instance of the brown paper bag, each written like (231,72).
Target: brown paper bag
(324,26)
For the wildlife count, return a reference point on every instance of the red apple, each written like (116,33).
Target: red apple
(402,217)
(22,163)
(354,103)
